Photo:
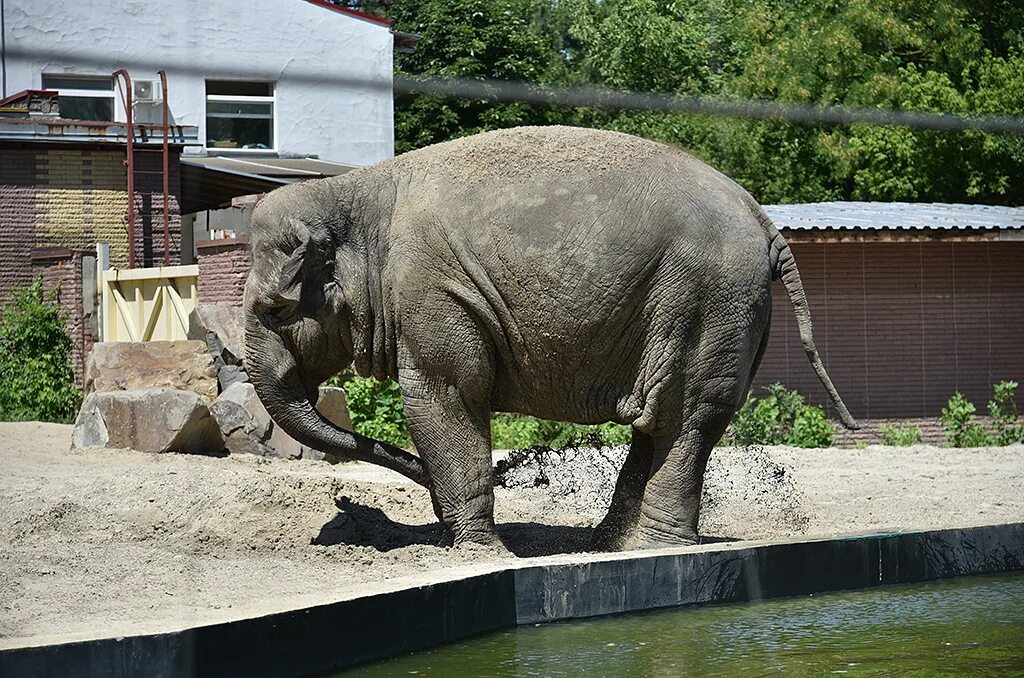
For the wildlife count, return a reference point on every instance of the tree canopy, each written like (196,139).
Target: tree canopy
(956,56)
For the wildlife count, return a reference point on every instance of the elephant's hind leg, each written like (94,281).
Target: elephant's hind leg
(617,531)
(671,505)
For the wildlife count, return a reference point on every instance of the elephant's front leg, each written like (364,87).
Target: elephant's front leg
(450,427)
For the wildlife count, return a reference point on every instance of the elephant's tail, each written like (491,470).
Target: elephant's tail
(784,268)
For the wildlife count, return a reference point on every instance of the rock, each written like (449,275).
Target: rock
(231,374)
(244,423)
(222,327)
(333,406)
(247,427)
(148,420)
(284,445)
(124,366)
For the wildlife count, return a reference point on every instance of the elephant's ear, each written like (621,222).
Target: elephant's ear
(292,271)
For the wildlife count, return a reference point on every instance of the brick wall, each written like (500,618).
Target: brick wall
(223,268)
(61,271)
(902,326)
(75,197)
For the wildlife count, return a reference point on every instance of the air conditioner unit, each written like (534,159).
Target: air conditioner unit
(145,92)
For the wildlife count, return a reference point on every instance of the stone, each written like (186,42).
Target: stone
(244,423)
(222,328)
(231,374)
(334,407)
(124,366)
(148,420)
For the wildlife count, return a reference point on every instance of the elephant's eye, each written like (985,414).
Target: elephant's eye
(281,315)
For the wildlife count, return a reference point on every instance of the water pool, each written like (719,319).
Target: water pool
(971,626)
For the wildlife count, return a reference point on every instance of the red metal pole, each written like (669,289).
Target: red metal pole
(167,191)
(130,161)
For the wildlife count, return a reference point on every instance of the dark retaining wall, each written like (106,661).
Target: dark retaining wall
(337,635)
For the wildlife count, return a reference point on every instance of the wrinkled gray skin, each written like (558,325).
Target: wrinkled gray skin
(565,273)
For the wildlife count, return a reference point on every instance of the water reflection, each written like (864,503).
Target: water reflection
(969,626)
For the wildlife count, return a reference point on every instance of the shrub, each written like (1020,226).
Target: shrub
(811,428)
(781,418)
(376,410)
(956,423)
(36,379)
(1003,408)
(900,435)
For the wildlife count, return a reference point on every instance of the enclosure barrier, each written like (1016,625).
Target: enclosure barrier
(336,635)
(147,304)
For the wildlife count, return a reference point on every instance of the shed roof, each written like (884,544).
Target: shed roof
(904,216)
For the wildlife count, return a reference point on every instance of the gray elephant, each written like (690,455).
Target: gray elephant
(569,274)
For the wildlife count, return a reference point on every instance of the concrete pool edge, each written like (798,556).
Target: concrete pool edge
(341,634)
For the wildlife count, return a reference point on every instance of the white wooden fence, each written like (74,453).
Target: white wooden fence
(147,304)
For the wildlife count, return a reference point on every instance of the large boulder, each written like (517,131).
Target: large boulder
(222,327)
(244,422)
(248,429)
(124,366)
(148,420)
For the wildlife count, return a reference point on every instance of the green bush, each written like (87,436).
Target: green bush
(899,435)
(780,418)
(518,431)
(36,379)
(957,423)
(962,431)
(376,411)
(1003,408)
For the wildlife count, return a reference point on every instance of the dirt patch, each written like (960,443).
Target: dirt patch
(100,542)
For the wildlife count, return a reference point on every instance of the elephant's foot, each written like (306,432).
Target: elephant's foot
(610,535)
(478,541)
(656,537)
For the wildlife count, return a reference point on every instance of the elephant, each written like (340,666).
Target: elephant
(565,273)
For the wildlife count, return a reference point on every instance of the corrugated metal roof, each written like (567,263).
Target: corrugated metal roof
(894,215)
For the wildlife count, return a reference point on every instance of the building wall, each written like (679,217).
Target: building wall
(271,40)
(902,326)
(223,268)
(76,197)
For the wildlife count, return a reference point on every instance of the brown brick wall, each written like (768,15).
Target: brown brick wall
(74,198)
(223,267)
(902,326)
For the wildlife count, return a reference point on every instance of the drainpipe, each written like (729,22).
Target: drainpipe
(126,99)
(167,192)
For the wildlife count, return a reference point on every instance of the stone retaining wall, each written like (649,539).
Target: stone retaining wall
(337,635)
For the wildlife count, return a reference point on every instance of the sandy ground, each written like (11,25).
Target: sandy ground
(98,542)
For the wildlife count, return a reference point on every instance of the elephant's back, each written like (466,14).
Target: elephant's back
(524,153)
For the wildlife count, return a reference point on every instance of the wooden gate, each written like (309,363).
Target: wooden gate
(148,304)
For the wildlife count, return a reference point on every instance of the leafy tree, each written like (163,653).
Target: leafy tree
(36,379)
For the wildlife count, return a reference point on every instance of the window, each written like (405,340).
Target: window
(83,98)
(239,114)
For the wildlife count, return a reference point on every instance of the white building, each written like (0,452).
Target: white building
(246,73)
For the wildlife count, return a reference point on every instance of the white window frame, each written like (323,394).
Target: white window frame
(241,99)
(117,110)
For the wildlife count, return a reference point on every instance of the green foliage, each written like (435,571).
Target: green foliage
(957,423)
(1006,428)
(517,431)
(962,56)
(780,418)
(376,410)
(36,379)
(899,435)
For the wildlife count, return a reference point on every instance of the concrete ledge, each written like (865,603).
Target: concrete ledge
(341,634)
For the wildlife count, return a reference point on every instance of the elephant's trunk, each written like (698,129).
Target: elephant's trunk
(275,375)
